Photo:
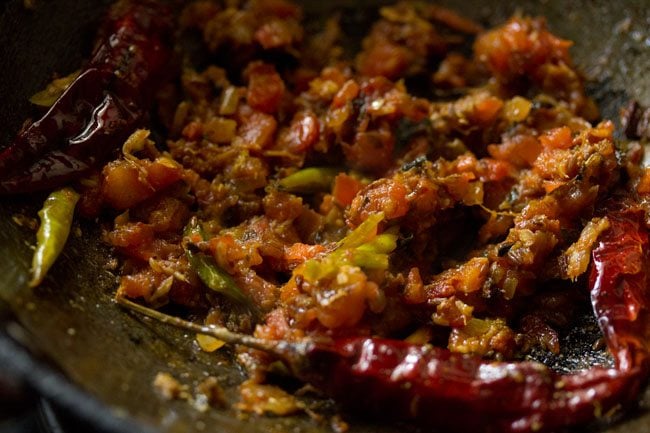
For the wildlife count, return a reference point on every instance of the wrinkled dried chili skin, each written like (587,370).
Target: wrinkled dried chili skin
(618,284)
(394,379)
(56,169)
(100,108)
(62,120)
(135,48)
(434,387)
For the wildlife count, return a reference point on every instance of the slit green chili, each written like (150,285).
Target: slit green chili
(216,278)
(209,271)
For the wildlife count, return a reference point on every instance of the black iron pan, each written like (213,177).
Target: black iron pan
(70,342)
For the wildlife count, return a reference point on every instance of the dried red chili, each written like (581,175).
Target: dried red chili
(100,108)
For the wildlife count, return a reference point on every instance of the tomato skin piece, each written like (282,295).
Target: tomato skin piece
(345,189)
(302,134)
(521,150)
(256,128)
(387,60)
(558,138)
(486,111)
(388,196)
(265,87)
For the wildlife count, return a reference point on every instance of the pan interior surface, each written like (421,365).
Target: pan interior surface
(70,326)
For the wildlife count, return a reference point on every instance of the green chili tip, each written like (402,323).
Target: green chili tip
(309,180)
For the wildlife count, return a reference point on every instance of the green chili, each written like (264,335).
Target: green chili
(361,247)
(209,271)
(193,228)
(308,180)
(382,244)
(216,278)
(369,259)
(56,221)
(366,231)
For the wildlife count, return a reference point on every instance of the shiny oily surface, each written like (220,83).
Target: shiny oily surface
(70,323)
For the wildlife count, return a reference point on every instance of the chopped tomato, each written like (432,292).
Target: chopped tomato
(486,110)
(126,183)
(345,188)
(558,138)
(265,87)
